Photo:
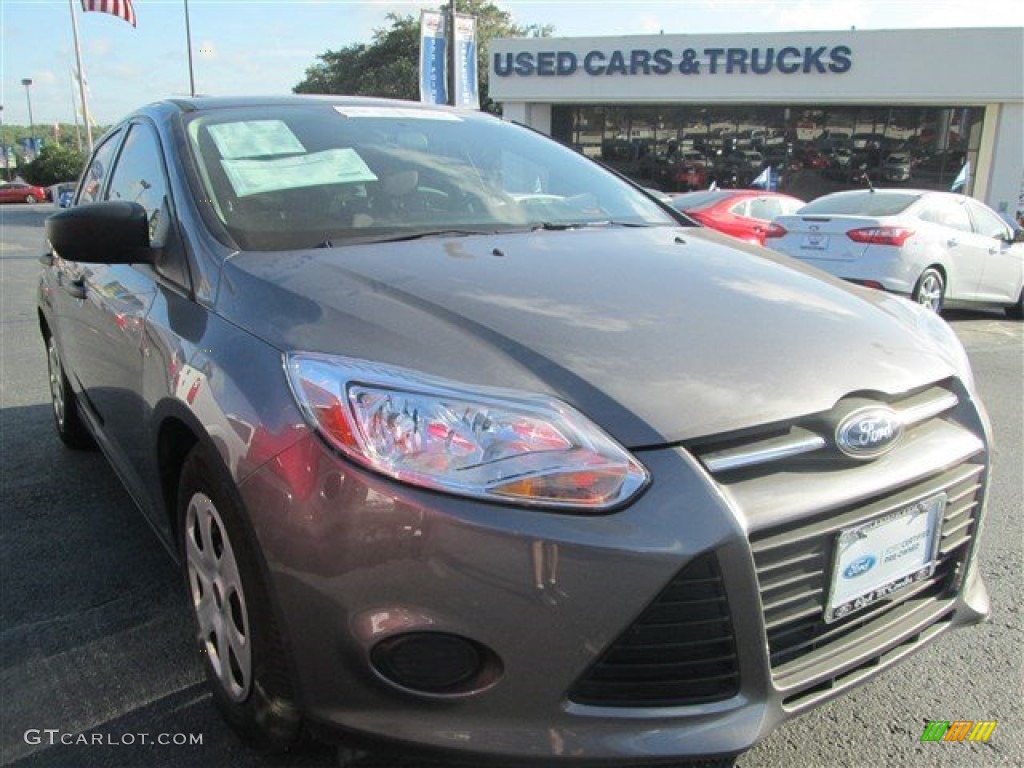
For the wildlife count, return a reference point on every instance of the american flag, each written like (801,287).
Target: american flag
(121,8)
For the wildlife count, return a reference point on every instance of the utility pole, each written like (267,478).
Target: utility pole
(188,46)
(3,144)
(451,53)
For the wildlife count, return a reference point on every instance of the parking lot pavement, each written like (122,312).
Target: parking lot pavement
(95,636)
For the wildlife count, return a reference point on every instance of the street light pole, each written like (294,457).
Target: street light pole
(3,144)
(27,82)
(450,52)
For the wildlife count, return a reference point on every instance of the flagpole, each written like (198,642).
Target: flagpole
(81,78)
(74,111)
(188,42)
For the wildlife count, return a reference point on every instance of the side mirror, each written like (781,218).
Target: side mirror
(113,232)
(1017,236)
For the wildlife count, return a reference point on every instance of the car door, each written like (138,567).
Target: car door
(68,301)
(952,243)
(1001,277)
(112,341)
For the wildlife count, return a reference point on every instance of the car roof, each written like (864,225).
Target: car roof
(204,103)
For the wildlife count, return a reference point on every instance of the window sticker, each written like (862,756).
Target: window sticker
(398,113)
(333,166)
(255,138)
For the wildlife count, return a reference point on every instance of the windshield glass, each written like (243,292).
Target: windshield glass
(287,177)
(860,203)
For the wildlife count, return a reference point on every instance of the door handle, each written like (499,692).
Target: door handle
(952,242)
(75,288)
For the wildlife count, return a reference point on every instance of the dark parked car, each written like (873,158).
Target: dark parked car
(466,443)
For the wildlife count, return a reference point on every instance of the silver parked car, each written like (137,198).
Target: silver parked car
(465,443)
(935,247)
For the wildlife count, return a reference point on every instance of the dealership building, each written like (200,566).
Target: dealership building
(826,110)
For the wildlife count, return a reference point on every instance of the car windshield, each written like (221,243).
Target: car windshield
(289,177)
(866,203)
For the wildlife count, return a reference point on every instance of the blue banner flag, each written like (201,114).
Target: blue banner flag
(433,86)
(467,92)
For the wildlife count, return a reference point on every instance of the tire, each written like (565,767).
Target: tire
(1017,310)
(30,199)
(236,631)
(67,419)
(930,290)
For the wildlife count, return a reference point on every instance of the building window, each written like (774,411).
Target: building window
(812,150)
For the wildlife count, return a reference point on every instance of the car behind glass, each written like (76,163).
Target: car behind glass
(465,443)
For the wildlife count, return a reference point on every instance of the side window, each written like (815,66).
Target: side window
(764,208)
(987,223)
(98,169)
(740,209)
(139,178)
(947,213)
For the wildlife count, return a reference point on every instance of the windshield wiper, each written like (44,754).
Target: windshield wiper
(561,226)
(617,223)
(398,237)
(554,226)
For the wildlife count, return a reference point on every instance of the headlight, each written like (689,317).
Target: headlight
(471,441)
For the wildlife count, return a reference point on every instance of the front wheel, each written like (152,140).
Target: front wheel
(237,635)
(30,199)
(1017,310)
(930,291)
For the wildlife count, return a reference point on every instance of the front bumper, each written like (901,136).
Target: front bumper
(353,559)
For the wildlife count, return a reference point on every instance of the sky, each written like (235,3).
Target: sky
(264,46)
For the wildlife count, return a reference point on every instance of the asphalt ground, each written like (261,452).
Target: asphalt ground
(95,634)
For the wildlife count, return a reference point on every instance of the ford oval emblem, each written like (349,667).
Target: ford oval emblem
(859,567)
(869,432)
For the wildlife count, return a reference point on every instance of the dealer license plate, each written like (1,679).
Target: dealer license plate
(815,242)
(873,560)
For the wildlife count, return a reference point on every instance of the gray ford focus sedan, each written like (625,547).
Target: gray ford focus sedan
(467,445)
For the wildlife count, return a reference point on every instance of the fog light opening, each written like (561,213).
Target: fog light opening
(436,663)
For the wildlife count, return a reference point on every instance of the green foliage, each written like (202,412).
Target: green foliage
(389,66)
(53,165)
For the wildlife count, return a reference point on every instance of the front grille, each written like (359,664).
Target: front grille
(793,570)
(679,651)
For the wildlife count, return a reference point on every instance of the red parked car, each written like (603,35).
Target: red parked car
(20,192)
(742,213)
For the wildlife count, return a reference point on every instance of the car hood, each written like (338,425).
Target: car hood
(659,334)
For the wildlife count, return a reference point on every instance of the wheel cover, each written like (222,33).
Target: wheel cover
(217,597)
(930,292)
(56,382)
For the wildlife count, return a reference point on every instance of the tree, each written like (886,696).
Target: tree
(389,66)
(54,165)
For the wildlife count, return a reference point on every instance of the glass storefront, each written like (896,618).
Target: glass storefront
(811,150)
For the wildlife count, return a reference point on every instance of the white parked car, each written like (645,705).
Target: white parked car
(932,246)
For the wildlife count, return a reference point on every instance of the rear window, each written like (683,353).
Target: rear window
(865,203)
(692,201)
